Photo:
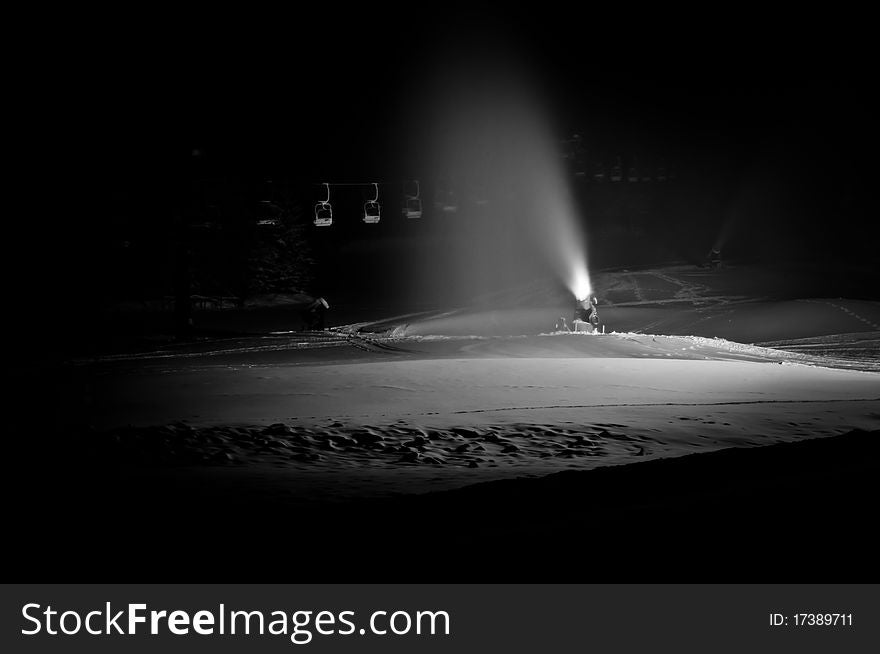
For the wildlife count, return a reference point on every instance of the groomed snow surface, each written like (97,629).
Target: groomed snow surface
(719,427)
(428,402)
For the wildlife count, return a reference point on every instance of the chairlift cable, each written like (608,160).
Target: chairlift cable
(404,183)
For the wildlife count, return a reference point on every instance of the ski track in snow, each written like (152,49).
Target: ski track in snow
(852,314)
(696,293)
(611,405)
(637,290)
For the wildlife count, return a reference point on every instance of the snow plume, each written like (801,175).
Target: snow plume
(503,212)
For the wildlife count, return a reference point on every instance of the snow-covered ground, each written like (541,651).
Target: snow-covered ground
(426,402)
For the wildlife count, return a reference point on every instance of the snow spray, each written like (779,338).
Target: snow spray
(490,139)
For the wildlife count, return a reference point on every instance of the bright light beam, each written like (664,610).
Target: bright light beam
(579,280)
(559,230)
(489,128)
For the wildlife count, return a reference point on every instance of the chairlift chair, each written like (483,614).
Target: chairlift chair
(633,174)
(478,194)
(324,211)
(445,199)
(413,205)
(450,203)
(372,210)
(580,167)
(270,214)
(617,172)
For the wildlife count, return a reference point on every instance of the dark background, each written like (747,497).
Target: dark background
(765,118)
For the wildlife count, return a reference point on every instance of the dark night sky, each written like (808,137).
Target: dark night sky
(331,90)
(776,106)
